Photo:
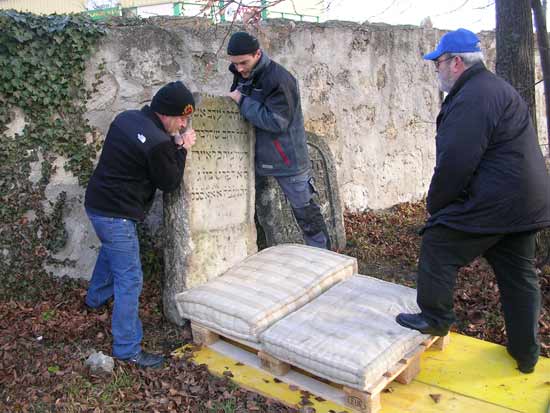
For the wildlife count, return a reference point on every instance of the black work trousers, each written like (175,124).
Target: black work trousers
(512,256)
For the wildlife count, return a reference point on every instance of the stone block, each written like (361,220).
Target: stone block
(209,221)
(277,224)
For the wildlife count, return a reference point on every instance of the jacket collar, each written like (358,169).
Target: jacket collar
(258,69)
(464,77)
(146,110)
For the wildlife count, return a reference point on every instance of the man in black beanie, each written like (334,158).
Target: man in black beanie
(268,97)
(144,150)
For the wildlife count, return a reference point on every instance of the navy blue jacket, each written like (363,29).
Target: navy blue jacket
(490,175)
(138,157)
(271,102)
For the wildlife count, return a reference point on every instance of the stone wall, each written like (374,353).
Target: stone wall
(364,88)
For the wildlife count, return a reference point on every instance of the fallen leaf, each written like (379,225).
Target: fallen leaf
(436,397)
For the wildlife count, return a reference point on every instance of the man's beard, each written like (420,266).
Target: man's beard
(445,85)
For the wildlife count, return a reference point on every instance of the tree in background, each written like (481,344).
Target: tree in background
(539,12)
(515,48)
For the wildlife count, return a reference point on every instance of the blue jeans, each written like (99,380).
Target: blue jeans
(118,274)
(299,191)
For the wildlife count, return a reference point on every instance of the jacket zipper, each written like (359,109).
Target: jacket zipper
(281,152)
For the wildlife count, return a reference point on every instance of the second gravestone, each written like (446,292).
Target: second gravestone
(277,224)
(209,221)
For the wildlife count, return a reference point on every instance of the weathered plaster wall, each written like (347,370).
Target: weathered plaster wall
(364,88)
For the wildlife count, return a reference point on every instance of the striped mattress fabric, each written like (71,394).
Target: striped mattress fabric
(264,288)
(348,334)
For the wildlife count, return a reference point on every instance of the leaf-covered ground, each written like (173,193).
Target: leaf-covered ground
(46,333)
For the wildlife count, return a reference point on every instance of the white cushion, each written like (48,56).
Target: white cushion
(263,288)
(348,334)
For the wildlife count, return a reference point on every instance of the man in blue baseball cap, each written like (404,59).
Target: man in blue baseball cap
(488,196)
(452,43)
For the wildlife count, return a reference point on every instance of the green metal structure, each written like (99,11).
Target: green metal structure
(214,12)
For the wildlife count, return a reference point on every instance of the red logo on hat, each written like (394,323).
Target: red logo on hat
(188,110)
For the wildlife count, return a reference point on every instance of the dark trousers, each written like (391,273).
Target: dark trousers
(512,256)
(299,191)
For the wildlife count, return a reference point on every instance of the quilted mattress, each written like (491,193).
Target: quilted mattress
(263,289)
(348,334)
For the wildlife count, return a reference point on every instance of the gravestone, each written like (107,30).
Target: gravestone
(209,220)
(276,223)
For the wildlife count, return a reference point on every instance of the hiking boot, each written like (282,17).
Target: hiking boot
(144,360)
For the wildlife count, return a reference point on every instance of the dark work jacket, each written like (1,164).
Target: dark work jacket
(490,175)
(271,102)
(138,157)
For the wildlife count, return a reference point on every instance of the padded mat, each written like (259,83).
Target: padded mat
(348,334)
(264,288)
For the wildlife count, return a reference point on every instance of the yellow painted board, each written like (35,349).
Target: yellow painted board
(256,380)
(485,371)
(413,398)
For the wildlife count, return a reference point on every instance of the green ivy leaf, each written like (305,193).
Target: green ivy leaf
(42,63)
(53,369)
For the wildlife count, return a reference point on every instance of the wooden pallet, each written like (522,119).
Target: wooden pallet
(404,371)
(367,401)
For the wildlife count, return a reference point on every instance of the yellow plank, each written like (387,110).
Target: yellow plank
(485,371)
(257,380)
(413,398)
(416,397)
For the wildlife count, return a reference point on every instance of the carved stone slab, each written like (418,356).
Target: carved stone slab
(209,221)
(274,214)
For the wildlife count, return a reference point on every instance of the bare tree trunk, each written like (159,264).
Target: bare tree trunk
(515,48)
(542,39)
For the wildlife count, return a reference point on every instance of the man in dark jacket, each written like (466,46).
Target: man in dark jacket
(143,151)
(269,99)
(488,196)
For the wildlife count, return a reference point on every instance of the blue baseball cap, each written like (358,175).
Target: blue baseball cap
(458,41)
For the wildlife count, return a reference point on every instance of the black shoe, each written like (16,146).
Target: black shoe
(144,359)
(92,310)
(97,309)
(418,322)
(526,367)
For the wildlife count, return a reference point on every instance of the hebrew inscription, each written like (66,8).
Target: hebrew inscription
(209,221)
(220,166)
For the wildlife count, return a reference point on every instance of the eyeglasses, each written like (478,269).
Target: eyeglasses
(438,62)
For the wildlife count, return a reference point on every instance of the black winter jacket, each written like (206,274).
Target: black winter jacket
(490,175)
(138,157)
(271,102)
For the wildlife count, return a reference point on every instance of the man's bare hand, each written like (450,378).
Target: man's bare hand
(188,138)
(235,95)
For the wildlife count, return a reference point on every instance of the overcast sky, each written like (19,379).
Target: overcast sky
(475,15)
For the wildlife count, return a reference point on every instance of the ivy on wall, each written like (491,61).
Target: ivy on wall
(42,65)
